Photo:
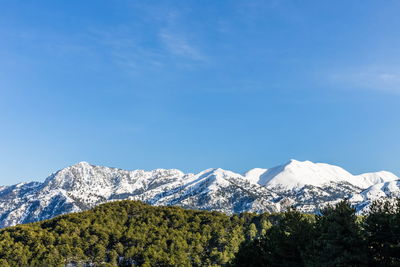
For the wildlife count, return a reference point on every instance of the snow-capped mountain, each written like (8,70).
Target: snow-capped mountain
(309,186)
(305,185)
(390,189)
(296,174)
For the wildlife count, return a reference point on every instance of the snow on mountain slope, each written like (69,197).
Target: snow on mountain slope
(215,189)
(82,186)
(254,175)
(368,179)
(310,186)
(305,185)
(388,190)
(296,174)
(103,182)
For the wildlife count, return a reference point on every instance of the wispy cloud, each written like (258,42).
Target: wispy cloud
(165,43)
(132,53)
(178,45)
(125,49)
(157,39)
(369,77)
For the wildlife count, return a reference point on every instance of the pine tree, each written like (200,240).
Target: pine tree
(251,231)
(339,241)
(284,244)
(251,253)
(382,231)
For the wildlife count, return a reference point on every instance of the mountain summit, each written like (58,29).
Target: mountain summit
(303,184)
(296,174)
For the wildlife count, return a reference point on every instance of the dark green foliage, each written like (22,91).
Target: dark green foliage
(382,230)
(336,237)
(339,240)
(252,253)
(285,243)
(128,233)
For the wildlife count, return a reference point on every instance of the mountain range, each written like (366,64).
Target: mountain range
(305,185)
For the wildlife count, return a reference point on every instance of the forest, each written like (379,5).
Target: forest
(131,233)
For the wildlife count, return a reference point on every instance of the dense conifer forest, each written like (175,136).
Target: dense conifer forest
(130,233)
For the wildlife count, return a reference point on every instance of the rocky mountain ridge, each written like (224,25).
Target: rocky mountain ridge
(305,185)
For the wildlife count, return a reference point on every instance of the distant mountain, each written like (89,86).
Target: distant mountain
(305,185)
(296,174)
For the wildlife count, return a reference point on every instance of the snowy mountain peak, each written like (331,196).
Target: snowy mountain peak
(303,184)
(82,164)
(219,172)
(297,162)
(296,174)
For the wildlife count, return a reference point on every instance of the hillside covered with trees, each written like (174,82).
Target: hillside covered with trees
(130,233)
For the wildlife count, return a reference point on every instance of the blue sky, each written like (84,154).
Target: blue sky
(198,84)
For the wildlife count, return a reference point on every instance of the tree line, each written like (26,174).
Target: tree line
(131,233)
(335,237)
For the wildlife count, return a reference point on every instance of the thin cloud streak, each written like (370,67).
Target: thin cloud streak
(372,78)
(179,46)
(126,51)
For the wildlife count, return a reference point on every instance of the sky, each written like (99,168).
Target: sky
(198,84)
